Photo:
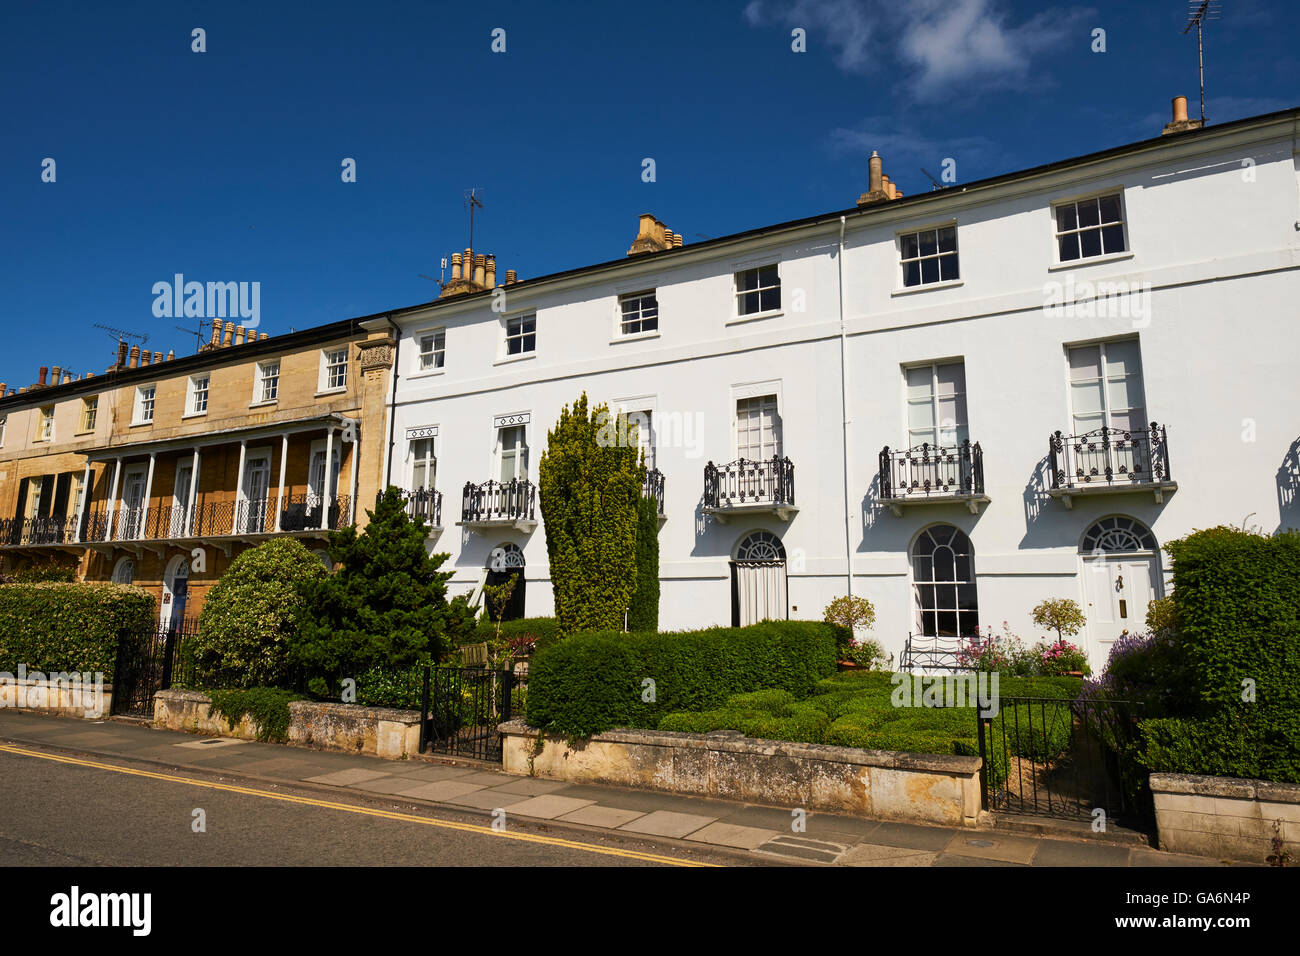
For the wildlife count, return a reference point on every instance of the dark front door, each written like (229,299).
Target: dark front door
(515,607)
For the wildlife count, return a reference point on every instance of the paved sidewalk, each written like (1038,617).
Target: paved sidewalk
(765,832)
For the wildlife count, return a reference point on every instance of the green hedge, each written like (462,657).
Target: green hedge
(65,627)
(1238,612)
(589,683)
(1252,741)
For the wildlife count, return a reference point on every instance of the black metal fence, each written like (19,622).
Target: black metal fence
(933,653)
(929,471)
(515,499)
(1065,758)
(460,708)
(1109,456)
(746,482)
(16,532)
(217,519)
(147,663)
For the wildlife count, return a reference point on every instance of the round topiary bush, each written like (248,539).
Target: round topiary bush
(250,613)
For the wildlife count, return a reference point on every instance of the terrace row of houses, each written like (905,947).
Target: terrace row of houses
(985,396)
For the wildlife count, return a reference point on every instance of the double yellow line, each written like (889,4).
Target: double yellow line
(364,811)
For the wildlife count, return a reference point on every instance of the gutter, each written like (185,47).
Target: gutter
(844,408)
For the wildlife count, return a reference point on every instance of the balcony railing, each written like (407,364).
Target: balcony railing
(218,519)
(653,487)
(1109,458)
(423,503)
(503,501)
(744,483)
(932,471)
(21,532)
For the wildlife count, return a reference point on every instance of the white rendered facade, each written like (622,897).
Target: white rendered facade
(850,362)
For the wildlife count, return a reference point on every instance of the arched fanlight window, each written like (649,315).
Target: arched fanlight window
(124,571)
(943,582)
(760,546)
(506,556)
(1118,533)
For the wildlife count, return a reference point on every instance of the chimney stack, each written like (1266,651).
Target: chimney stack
(511,277)
(879,186)
(121,354)
(652,236)
(1180,123)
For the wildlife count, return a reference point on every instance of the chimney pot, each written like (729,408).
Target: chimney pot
(480,269)
(121,354)
(67,377)
(455,266)
(135,356)
(677,240)
(491,276)
(239,335)
(216,332)
(44,372)
(227,333)
(875,166)
(1180,109)
(144,358)
(56,374)
(511,277)
(171,354)
(261,337)
(89,375)
(157,358)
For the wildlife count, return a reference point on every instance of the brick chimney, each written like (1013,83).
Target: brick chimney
(1180,123)
(471,272)
(879,186)
(44,372)
(652,236)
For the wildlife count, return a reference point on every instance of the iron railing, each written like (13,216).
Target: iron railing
(511,500)
(932,471)
(746,482)
(933,653)
(423,503)
(1067,758)
(213,519)
(21,532)
(1109,457)
(461,708)
(653,487)
(148,662)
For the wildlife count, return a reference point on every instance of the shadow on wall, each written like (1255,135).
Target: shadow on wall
(1038,533)
(1288,489)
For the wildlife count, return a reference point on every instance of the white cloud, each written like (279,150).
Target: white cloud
(934,48)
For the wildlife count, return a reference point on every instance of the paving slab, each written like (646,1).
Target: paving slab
(486,779)
(345,778)
(730,834)
(430,774)
(800,848)
(549,806)
(668,823)
(876,854)
(984,845)
(390,784)
(1070,853)
(488,800)
(598,816)
(530,787)
(1144,856)
(912,836)
(440,790)
(953,859)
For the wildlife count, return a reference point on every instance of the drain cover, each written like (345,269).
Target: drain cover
(980,843)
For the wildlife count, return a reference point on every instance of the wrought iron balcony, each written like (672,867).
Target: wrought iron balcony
(37,532)
(495,503)
(1110,460)
(653,487)
(423,503)
(750,486)
(217,519)
(931,474)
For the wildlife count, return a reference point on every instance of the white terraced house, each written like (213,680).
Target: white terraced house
(956,403)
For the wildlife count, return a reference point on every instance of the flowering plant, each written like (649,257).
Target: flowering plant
(1059,658)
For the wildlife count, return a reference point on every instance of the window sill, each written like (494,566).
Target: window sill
(273,401)
(427,373)
(201,414)
(928,287)
(515,358)
(331,391)
(755,316)
(84,432)
(1090,261)
(140,423)
(634,337)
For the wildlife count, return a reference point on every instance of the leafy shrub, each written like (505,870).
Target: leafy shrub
(1162,615)
(267,706)
(385,605)
(56,626)
(399,687)
(1062,615)
(1238,614)
(852,614)
(866,653)
(643,610)
(1145,668)
(1247,740)
(1060,657)
(251,615)
(48,571)
(541,631)
(593,682)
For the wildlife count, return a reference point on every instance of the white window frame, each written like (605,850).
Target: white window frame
(137,414)
(4,427)
(323,386)
(192,394)
(1100,344)
(1125,253)
(45,424)
(522,421)
(778,431)
(117,570)
(35,492)
(85,427)
(259,382)
(901,287)
(754,266)
(506,354)
(438,365)
(620,322)
(934,402)
(430,461)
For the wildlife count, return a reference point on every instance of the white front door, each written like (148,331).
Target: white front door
(1118,588)
(760,591)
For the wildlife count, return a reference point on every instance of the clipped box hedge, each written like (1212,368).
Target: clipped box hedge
(58,626)
(589,683)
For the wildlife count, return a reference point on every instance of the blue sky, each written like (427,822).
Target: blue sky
(225,165)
